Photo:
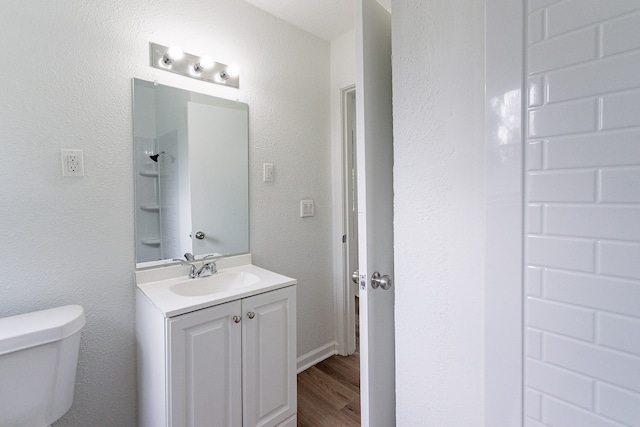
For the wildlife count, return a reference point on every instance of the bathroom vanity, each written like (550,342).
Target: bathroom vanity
(217,350)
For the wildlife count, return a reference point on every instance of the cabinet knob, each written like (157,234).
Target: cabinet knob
(251,315)
(237,319)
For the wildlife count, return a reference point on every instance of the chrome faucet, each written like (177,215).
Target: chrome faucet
(209,268)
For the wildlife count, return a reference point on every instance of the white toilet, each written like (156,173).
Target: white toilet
(38,359)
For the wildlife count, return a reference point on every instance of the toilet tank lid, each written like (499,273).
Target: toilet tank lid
(39,327)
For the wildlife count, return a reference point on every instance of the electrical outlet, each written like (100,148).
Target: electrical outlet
(72,163)
(306,208)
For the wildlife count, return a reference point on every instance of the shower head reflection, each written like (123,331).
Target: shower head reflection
(155,157)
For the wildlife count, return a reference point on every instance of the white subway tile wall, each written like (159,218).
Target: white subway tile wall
(534,212)
(530,423)
(621,110)
(621,34)
(560,383)
(536,26)
(582,278)
(533,343)
(619,404)
(620,185)
(619,259)
(533,408)
(562,186)
(557,413)
(560,252)
(533,281)
(534,155)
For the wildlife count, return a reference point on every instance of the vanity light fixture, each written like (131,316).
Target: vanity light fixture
(173,59)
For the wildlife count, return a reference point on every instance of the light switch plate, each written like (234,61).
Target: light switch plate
(267,175)
(306,208)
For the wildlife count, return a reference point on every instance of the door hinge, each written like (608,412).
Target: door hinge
(344,238)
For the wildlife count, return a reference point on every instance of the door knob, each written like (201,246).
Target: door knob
(384,282)
(355,277)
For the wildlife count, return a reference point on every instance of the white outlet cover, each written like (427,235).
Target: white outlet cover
(72,163)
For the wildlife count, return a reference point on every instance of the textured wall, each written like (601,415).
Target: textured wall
(66,84)
(438,109)
(582,364)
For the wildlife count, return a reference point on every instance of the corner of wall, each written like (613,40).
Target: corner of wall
(504,68)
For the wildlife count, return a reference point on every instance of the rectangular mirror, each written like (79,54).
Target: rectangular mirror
(191,174)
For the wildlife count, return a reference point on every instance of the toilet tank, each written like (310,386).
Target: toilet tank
(38,359)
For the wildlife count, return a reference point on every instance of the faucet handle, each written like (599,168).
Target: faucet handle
(207,269)
(192,268)
(212,257)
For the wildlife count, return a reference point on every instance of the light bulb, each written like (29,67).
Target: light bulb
(230,71)
(173,54)
(233,70)
(204,63)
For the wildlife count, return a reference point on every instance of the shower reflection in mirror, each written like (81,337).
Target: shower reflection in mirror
(191,174)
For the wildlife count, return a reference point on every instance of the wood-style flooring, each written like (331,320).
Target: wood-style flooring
(329,393)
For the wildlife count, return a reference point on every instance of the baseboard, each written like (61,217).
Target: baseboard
(316,356)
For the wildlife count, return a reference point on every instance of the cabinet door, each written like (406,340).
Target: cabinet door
(204,362)
(269,357)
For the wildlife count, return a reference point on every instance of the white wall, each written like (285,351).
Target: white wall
(438,78)
(582,309)
(66,84)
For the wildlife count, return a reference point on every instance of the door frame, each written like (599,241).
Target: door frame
(344,292)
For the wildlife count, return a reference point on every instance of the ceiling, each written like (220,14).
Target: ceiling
(327,19)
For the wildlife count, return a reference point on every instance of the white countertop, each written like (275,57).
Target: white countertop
(155,285)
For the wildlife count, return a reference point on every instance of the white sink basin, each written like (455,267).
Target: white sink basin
(173,293)
(220,282)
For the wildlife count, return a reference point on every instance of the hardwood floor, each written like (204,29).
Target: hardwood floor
(329,393)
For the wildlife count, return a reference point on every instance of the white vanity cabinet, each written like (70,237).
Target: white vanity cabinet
(232,364)
(205,367)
